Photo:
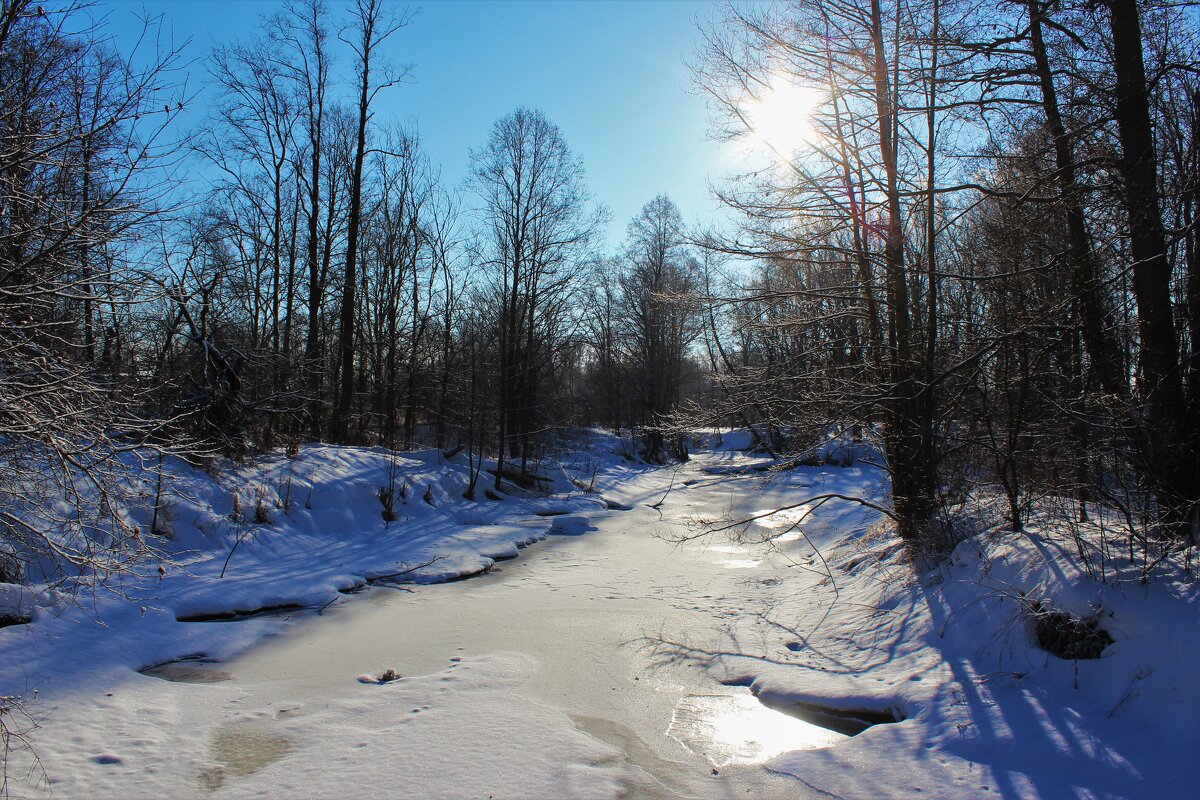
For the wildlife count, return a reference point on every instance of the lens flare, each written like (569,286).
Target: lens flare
(780,118)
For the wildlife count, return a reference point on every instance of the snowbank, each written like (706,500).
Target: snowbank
(281,534)
(833,620)
(984,710)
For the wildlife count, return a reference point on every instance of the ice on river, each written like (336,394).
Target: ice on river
(610,659)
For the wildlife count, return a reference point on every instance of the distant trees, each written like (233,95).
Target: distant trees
(659,320)
(342,286)
(538,228)
(328,285)
(606,401)
(642,319)
(404,275)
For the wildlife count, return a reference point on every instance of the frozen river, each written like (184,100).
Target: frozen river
(575,670)
(601,616)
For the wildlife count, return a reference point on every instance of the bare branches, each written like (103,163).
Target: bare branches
(84,131)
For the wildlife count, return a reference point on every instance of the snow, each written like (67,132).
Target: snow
(142,742)
(17,602)
(813,605)
(985,711)
(324,533)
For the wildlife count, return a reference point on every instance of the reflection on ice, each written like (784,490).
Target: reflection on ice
(737,729)
(783,519)
(739,563)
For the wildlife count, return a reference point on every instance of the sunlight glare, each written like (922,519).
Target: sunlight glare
(738,729)
(785,518)
(781,117)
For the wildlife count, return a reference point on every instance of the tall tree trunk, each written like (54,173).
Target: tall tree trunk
(1086,283)
(912,484)
(346,334)
(312,345)
(1171,435)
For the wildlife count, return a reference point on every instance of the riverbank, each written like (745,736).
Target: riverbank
(636,654)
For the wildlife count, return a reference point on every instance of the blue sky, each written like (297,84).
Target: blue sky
(611,74)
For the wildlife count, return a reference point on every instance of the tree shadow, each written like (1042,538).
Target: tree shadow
(1032,742)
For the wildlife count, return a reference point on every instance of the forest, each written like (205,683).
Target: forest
(978,247)
(969,259)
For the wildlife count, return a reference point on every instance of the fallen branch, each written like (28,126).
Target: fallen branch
(663,499)
(816,501)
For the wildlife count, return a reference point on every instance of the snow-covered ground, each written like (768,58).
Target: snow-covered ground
(594,664)
(309,532)
(987,713)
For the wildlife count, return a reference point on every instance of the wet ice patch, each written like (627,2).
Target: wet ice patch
(242,751)
(737,729)
(189,669)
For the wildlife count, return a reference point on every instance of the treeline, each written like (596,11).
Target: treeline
(321,283)
(987,254)
(986,258)
(363,301)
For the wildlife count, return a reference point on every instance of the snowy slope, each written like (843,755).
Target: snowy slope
(986,712)
(320,530)
(813,605)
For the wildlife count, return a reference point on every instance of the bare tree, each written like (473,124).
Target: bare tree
(539,227)
(1174,460)
(657,303)
(399,270)
(78,177)
(303,33)
(371,26)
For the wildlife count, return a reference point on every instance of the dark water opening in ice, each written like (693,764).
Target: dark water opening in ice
(284,609)
(189,669)
(848,722)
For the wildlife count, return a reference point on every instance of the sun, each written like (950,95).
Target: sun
(780,117)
